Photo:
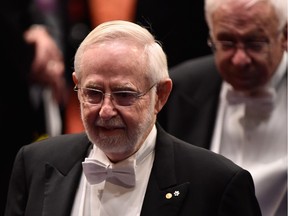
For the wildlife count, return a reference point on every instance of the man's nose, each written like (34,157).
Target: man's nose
(241,57)
(108,109)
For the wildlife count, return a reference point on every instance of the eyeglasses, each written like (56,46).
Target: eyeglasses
(122,98)
(252,48)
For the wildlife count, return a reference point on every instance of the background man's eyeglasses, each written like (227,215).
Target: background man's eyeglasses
(252,48)
(122,98)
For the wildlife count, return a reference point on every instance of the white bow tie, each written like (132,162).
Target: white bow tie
(122,173)
(262,101)
(258,107)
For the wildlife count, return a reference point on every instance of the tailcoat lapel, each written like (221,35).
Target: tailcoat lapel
(60,190)
(164,196)
(61,182)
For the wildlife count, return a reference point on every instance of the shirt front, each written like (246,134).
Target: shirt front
(108,199)
(258,145)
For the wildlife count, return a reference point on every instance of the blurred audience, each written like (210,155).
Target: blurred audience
(30,59)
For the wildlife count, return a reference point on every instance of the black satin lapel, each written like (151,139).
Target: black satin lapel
(166,202)
(60,190)
(164,196)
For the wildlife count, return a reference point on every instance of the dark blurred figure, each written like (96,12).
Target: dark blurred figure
(179,25)
(29,57)
(235,101)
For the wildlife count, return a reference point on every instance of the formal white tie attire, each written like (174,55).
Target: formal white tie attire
(110,197)
(257,140)
(122,173)
(257,107)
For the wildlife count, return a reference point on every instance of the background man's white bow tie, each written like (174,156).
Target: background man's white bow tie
(262,101)
(265,96)
(122,173)
(258,106)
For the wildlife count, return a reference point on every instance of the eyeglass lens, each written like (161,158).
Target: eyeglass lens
(122,98)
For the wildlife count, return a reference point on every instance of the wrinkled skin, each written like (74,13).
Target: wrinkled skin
(119,131)
(234,23)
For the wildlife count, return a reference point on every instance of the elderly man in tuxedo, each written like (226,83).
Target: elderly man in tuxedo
(124,163)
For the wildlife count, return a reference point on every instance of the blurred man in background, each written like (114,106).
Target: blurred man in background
(235,102)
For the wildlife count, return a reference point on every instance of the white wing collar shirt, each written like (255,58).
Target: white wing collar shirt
(111,197)
(258,141)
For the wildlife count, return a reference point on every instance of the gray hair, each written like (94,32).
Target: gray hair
(119,30)
(280,7)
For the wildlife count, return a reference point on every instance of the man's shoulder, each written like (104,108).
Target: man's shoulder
(196,78)
(204,157)
(63,138)
(198,70)
(201,157)
(62,144)
(61,152)
(200,63)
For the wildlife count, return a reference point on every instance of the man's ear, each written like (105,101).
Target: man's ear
(75,79)
(164,89)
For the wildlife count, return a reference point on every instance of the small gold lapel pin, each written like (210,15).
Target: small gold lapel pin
(170,195)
